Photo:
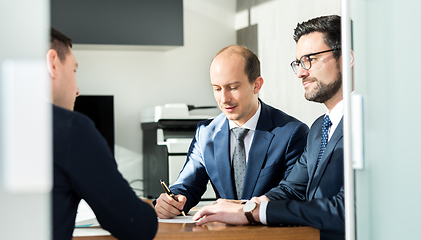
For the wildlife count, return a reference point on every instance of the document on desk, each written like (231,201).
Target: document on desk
(90,231)
(85,217)
(178,219)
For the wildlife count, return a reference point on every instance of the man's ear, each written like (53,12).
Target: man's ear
(52,59)
(258,84)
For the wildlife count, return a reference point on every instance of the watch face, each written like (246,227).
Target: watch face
(249,206)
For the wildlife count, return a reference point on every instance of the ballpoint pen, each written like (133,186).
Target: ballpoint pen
(168,191)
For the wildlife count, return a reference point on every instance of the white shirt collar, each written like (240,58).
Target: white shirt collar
(336,114)
(251,123)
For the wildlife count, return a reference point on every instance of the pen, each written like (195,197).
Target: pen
(168,191)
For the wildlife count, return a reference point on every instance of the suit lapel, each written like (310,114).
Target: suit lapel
(324,161)
(314,148)
(257,156)
(258,150)
(222,159)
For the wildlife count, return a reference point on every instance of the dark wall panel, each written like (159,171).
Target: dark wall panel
(124,22)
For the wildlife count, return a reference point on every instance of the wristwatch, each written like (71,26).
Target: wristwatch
(248,211)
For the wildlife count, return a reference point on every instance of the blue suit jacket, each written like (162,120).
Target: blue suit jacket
(313,196)
(278,142)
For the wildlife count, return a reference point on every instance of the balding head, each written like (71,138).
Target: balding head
(251,62)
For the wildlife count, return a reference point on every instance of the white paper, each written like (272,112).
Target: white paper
(81,232)
(85,217)
(178,219)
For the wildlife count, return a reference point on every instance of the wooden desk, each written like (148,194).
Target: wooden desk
(188,231)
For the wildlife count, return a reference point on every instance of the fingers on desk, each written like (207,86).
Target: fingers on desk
(205,219)
(222,211)
(203,213)
(210,214)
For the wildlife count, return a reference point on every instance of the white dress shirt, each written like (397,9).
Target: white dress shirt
(335,117)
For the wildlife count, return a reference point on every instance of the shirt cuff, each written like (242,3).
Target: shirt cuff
(262,212)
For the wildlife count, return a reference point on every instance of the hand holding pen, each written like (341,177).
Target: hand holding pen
(168,191)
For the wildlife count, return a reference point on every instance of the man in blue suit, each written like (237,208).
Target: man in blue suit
(272,144)
(312,194)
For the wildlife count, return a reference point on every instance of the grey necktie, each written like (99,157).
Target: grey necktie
(239,159)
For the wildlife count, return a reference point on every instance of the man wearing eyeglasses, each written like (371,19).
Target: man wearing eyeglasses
(313,193)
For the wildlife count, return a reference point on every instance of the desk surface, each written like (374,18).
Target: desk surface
(188,231)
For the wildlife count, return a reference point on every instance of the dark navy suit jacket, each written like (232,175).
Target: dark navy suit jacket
(84,168)
(313,196)
(278,142)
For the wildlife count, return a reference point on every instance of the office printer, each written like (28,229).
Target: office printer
(167,134)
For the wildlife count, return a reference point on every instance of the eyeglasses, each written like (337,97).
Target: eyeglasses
(305,60)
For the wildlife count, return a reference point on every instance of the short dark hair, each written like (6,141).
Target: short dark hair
(252,63)
(330,26)
(60,43)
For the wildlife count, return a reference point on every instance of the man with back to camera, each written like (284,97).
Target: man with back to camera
(313,193)
(84,167)
(269,145)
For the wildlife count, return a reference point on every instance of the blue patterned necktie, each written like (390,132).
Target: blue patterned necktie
(239,159)
(325,132)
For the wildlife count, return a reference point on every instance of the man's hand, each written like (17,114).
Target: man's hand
(260,199)
(232,201)
(166,207)
(222,211)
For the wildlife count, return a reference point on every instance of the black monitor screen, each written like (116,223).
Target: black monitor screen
(101,110)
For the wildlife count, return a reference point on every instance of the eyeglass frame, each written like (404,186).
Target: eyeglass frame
(308,56)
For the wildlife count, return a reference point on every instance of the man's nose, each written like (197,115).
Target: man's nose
(301,72)
(77,92)
(225,96)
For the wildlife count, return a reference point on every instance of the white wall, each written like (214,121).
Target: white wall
(276,21)
(145,78)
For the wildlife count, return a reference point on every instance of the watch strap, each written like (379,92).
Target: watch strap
(249,216)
